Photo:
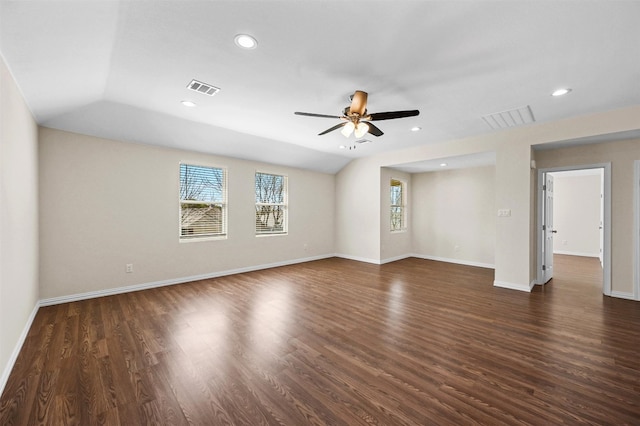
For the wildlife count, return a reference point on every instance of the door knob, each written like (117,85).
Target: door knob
(554,231)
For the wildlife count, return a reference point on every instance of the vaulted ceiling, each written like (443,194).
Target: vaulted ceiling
(120,69)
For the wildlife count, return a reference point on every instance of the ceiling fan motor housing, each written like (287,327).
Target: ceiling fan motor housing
(354,114)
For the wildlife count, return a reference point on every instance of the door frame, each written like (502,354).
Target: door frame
(606,249)
(636,229)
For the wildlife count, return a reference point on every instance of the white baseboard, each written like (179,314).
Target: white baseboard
(396,258)
(16,350)
(576,253)
(514,286)
(457,261)
(358,258)
(622,295)
(163,283)
(419,256)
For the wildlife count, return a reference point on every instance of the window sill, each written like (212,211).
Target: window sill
(399,231)
(279,234)
(202,239)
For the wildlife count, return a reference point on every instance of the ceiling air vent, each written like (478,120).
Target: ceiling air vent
(204,88)
(361,141)
(511,118)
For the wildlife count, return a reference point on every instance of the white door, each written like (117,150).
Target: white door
(547,228)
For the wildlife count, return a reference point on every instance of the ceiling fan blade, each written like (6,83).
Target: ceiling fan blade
(311,114)
(374,130)
(392,114)
(336,127)
(358,103)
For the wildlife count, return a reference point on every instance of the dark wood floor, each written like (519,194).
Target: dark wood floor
(336,342)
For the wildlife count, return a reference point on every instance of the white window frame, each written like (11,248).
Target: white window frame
(284,205)
(402,206)
(220,202)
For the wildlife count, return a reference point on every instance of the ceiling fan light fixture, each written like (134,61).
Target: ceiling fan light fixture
(348,129)
(361,129)
(245,41)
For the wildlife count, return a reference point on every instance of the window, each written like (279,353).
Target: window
(203,202)
(271,204)
(398,205)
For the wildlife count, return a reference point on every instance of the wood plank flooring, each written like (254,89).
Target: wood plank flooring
(337,342)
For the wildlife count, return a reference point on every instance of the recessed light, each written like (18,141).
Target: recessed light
(188,103)
(245,41)
(561,92)
(443,164)
(343,147)
(416,129)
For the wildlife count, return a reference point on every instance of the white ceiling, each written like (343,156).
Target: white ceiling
(119,69)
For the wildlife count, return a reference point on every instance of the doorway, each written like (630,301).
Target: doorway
(547,233)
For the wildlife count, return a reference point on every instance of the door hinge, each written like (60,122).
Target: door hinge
(544,267)
(544,227)
(544,187)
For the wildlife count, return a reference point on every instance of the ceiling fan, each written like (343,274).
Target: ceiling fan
(357,120)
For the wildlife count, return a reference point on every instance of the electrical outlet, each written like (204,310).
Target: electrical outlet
(504,212)
(128,268)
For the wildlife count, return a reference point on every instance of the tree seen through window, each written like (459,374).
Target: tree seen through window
(202,201)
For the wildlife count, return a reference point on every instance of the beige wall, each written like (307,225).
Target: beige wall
(576,214)
(18,218)
(454,215)
(107,203)
(621,155)
(514,252)
(358,211)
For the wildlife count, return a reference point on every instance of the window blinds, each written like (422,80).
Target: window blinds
(203,201)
